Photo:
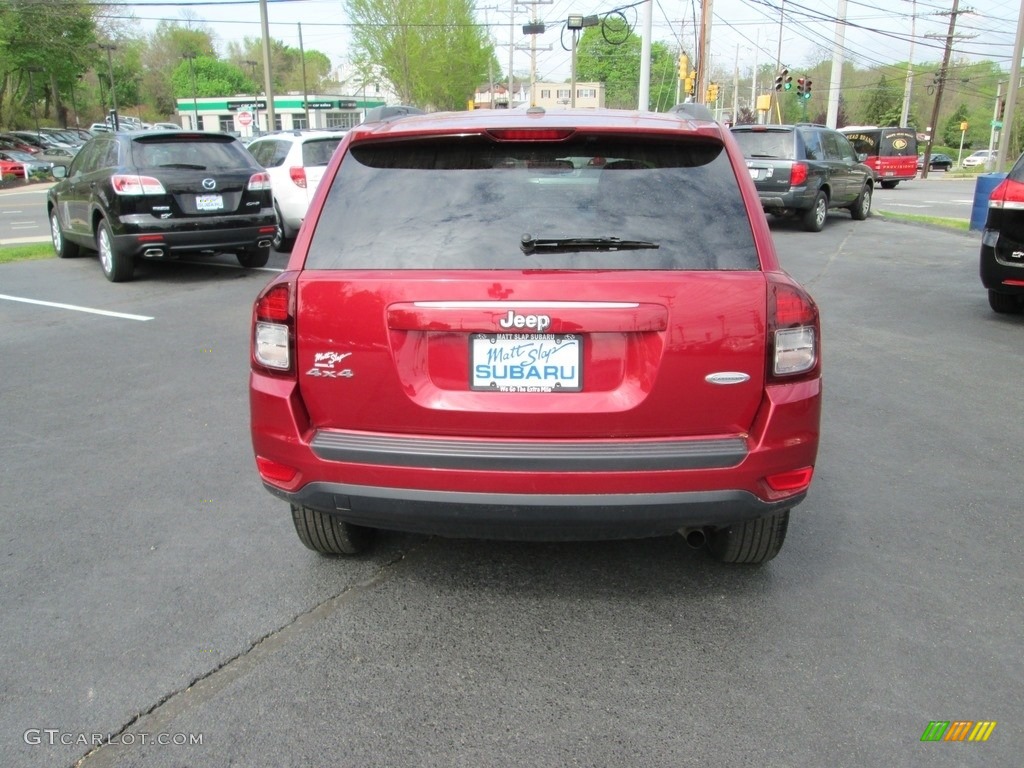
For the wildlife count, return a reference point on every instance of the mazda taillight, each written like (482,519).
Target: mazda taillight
(1008,194)
(794,332)
(133,184)
(259,182)
(273,324)
(798,175)
(298,176)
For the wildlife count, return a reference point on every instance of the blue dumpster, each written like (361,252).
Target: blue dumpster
(982,191)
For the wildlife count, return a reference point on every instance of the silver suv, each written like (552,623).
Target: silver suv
(296,161)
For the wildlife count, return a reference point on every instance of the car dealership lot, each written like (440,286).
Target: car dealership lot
(151,586)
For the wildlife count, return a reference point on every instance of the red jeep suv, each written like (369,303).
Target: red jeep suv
(554,325)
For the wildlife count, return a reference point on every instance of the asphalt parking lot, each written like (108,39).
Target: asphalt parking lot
(152,587)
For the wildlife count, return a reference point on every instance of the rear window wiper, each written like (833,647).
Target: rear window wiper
(187,166)
(530,244)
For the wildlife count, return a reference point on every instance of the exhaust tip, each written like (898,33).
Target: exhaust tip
(695,537)
(263,244)
(153,253)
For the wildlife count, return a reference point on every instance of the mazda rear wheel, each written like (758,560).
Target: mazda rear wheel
(117,265)
(1005,303)
(254,257)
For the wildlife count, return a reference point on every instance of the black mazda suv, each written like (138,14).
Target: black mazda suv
(1002,244)
(160,195)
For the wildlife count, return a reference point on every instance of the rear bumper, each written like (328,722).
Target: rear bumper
(1002,274)
(798,199)
(545,517)
(136,235)
(536,489)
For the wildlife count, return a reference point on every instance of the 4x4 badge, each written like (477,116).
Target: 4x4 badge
(324,362)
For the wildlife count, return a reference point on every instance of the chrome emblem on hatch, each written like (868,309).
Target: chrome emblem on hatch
(727,377)
(209,183)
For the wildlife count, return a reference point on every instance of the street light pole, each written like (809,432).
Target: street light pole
(108,47)
(32,96)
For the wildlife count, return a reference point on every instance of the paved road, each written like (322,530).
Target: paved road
(151,586)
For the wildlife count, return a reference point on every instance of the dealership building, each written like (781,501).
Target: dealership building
(247,115)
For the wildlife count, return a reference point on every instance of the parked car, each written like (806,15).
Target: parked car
(159,195)
(167,126)
(981,157)
(295,161)
(1002,244)
(40,140)
(937,162)
(804,170)
(37,169)
(497,324)
(11,169)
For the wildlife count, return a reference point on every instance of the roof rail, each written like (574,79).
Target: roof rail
(381,114)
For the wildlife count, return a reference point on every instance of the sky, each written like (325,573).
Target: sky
(744,32)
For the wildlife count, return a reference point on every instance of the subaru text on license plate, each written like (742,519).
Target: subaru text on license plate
(535,362)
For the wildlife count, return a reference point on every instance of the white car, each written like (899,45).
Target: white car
(980,157)
(295,161)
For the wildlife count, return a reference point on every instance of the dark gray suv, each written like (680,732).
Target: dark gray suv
(804,170)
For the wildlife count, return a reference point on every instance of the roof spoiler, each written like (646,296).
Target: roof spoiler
(692,111)
(381,114)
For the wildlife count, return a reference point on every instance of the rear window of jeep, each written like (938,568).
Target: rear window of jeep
(470,203)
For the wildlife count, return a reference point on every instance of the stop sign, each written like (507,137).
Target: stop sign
(245,119)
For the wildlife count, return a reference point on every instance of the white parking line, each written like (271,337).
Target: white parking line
(90,310)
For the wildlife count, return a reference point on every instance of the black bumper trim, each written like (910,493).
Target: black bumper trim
(543,517)
(529,456)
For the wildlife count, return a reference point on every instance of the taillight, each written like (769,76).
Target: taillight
(272,343)
(798,175)
(1008,194)
(794,332)
(133,184)
(298,176)
(259,182)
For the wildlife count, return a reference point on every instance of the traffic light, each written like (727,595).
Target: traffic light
(800,87)
(783,80)
(807,88)
(1001,109)
(689,81)
(684,66)
(712,92)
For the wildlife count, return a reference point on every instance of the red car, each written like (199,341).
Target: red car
(11,168)
(554,325)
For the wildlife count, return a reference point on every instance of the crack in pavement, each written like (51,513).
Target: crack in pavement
(159,717)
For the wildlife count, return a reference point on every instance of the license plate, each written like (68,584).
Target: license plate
(209,203)
(537,362)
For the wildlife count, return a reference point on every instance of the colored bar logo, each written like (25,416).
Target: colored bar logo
(958,730)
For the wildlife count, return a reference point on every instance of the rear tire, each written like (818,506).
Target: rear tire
(254,257)
(118,266)
(61,246)
(283,240)
(861,209)
(889,184)
(814,217)
(1005,303)
(750,542)
(329,535)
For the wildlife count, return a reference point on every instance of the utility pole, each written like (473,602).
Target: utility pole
(1011,94)
(305,90)
(108,47)
(836,79)
(704,63)
(645,55)
(268,85)
(905,114)
(934,127)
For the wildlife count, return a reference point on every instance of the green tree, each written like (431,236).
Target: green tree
(44,48)
(611,55)
(884,105)
(432,51)
(951,129)
(213,77)
(162,56)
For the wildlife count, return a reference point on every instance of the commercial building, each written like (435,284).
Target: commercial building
(246,115)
